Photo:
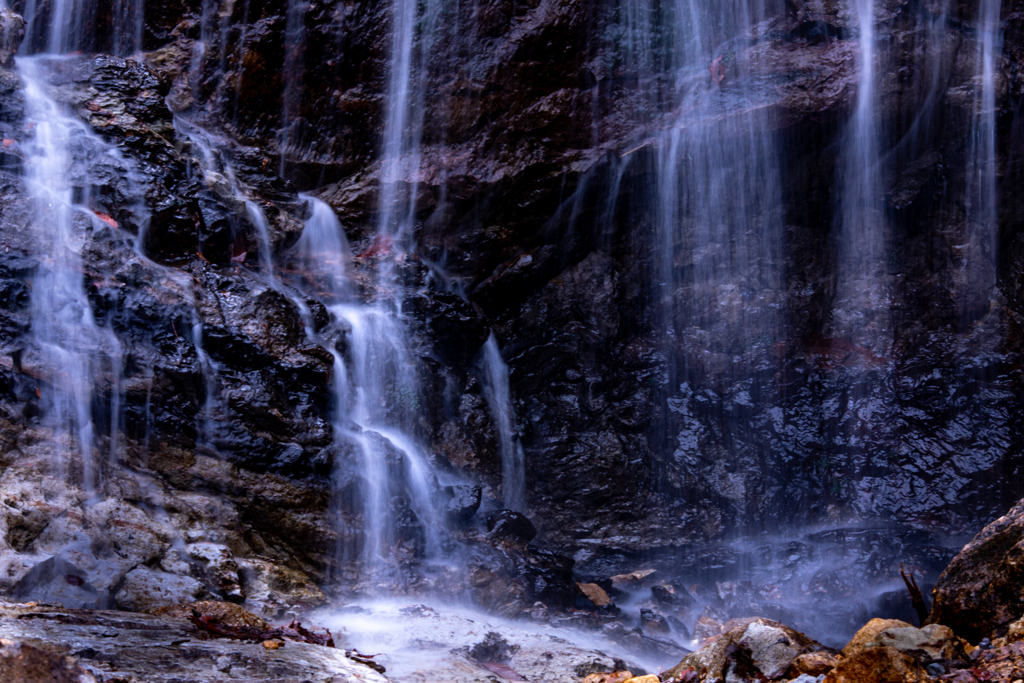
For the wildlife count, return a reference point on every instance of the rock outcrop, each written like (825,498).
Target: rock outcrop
(979,594)
(137,648)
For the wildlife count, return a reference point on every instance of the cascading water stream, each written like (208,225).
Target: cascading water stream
(498,394)
(80,356)
(978,254)
(376,398)
(861,311)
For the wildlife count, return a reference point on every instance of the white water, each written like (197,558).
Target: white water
(427,642)
(77,355)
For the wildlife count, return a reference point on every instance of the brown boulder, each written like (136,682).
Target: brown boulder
(878,665)
(869,632)
(979,594)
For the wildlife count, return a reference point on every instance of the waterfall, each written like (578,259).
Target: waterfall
(498,394)
(62,320)
(978,254)
(861,308)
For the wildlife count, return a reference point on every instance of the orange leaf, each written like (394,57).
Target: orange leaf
(8,142)
(106,219)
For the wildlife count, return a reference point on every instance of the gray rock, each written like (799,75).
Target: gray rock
(144,588)
(56,580)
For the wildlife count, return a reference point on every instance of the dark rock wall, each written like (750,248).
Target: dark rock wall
(535,195)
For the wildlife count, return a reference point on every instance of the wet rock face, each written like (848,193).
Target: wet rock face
(978,594)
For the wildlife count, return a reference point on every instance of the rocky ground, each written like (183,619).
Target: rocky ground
(211,641)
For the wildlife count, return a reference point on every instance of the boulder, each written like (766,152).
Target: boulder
(934,641)
(144,589)
(58,581)
(878,665)
(652,621)
(272,589)
(668,595)
(221,568)
(978,594)
(868,632)
(760,648)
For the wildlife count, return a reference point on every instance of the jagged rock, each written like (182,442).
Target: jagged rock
(12,32)
(508,524)
(878,664)
(493,648)
(978,594)
(760,648)
(221,569)
(144,589)
(464,502)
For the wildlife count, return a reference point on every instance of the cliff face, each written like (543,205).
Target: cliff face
(671,388)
